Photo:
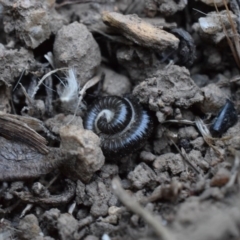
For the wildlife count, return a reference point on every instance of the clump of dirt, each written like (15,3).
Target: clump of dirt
(75,47)
(179,60)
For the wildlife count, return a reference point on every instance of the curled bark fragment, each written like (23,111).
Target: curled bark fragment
(62,198)
(140,32)
(33,123)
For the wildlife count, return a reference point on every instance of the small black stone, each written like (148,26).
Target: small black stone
(225,119)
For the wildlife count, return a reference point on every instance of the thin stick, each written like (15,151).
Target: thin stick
(234,173)
(199,11)
(26,95)
(185,157)
(53,180)
(75,2)
(26,209)
(43,78)
(23,71)
(161,231)
(236,35)
(187,122)
(230,43)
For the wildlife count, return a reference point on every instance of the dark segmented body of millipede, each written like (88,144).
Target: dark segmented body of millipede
(121,123)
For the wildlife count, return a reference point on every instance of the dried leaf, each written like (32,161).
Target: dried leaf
(21,161)
(14,129)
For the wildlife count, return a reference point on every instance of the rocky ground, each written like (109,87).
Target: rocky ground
(180,59)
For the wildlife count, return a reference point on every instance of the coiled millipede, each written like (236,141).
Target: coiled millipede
(121,123)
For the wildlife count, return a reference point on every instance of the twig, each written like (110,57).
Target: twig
(52,181)
(187,122)
(185,157)
(235,4)
(197,10)
(235,32)
(18,80)
(59,199)
(30,205)
(76,2)
(26,209)
(234,173)
(135,207)
(43,78)
(26,95)
(235,49)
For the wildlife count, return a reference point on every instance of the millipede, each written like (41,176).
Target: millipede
(122,124)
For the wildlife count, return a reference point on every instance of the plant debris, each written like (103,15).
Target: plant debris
(141,32)
(46,198)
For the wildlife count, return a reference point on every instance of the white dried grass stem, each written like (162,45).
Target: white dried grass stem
(43,78)
(203,128)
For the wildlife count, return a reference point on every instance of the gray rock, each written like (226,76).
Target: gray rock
(142,175)
(75,47)
(85,145)
(67,227)
(28,228)
(171,86)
